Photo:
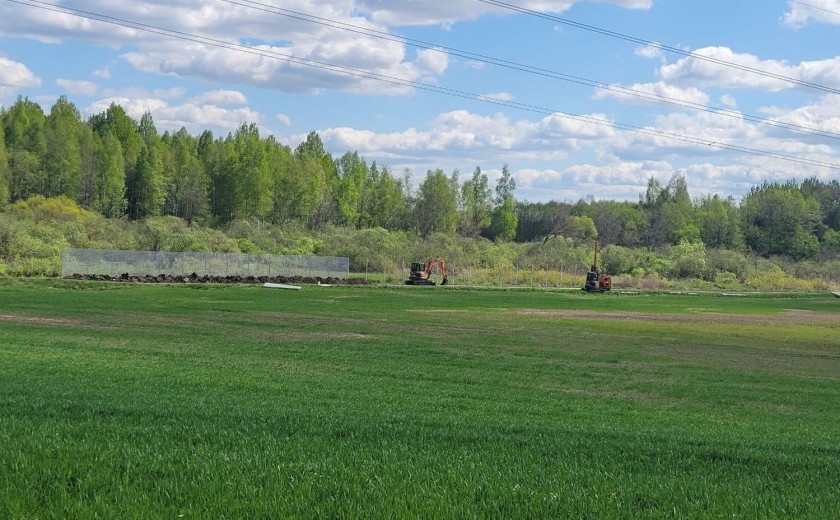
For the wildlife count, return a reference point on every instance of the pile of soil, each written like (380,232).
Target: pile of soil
(194,278)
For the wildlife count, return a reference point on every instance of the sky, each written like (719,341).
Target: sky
(578,98)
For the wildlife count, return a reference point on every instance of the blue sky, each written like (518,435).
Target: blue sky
(366,89)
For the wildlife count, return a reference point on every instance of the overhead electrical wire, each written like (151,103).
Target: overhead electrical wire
(414,84)
(676,50)
(815,7)
(490,60)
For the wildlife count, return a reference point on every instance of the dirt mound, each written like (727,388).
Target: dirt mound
(194,278)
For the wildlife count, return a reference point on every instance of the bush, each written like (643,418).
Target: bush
(688,260)
(725,261)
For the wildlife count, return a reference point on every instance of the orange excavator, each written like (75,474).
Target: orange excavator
(595,281)
(421,273)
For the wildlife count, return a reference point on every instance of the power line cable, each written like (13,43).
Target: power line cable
(415,84)
(327,22)
(815,7)
(657,45)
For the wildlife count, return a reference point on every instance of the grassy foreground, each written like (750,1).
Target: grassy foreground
(133,401)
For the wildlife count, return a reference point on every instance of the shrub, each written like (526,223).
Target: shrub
(688,260)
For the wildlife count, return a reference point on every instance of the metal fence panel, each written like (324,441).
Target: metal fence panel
(141,263)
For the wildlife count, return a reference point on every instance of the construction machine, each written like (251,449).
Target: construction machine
(421,273)
(595,281)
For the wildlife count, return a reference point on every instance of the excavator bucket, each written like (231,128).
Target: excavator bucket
(445,280)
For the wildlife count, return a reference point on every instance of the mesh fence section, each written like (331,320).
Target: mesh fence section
(142,263)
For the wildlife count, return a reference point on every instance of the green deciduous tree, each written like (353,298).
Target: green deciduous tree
(89,144)
(779,220)
(503,222)
(187,185)
(352,171)
(389,206)
(63,159)
(476,204)
(116,122)
(110,167)
(669,213)
(436,209)
(4,171)
(26,178)
(720,223)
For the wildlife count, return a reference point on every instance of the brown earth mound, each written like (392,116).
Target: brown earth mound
(194,278)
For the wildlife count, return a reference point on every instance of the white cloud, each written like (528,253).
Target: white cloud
(222,97)
(77,87)
(800,14)
(643,92)
(16,75)
(690,71)
(432,61)
(463,134)
(728,101)
(284,119)
(103,73)
(498,96)
(649,51)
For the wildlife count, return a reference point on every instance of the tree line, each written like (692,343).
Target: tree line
(122,168)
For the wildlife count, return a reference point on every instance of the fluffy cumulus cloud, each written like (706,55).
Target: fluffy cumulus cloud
(819,11)
(222,97)
(693,71)
(654,93)
(15,74)
(77,87)
(462,133)
(13,77)
(271,43)
(230,42)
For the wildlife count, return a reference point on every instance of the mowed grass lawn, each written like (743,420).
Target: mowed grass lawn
(140,401)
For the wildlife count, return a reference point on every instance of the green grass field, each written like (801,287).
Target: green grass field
(130,401)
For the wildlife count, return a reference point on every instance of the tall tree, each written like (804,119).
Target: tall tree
(477,204)
(352,171)
(389,207)
(110,166)
(281,168)
(669,213)
(436,209)
(720,223)
(779,220)
(25,175)
(505,186)
(319,181)
(503,222)
(4,171)
(186,190)
(115,121)
(828,195)
(63,158)
(148,181)
(88,179)
(23,128)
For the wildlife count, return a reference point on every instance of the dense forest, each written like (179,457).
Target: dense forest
(243,187)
